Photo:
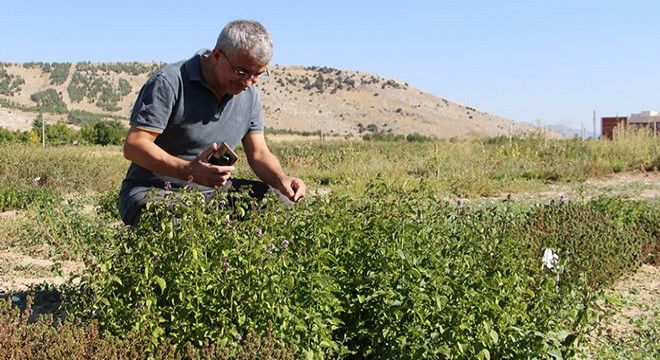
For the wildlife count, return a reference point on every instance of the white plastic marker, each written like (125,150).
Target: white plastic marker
(550,259)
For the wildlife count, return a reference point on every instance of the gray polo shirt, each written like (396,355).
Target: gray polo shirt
(176,103)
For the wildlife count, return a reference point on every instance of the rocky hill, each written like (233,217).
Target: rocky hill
(300,99)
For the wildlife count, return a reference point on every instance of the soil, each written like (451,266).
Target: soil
(638,296)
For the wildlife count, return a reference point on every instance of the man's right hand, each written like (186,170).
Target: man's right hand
(140,148)
(204,173)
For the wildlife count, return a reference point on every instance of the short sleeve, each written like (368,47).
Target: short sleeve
(256,118)
(154,104)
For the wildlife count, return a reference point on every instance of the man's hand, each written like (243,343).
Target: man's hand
(268,167)
(202,172)
(293,188)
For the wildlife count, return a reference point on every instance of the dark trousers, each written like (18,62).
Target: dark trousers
(256,189)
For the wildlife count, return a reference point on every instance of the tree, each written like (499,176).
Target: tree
(103,133)
(38,122)
(59,134)
(7,136)
(30,137)
(88,134)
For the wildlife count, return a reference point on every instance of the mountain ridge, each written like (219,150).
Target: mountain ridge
(300,99)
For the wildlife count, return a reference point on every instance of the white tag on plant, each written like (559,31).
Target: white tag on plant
(550,259)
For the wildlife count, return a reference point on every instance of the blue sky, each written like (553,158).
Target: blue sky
(548,62)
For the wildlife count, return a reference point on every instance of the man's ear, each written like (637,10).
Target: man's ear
(216,54)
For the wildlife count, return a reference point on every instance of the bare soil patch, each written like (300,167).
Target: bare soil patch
(637,298)
(18,272)
(635,185)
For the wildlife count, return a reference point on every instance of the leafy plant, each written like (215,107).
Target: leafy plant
(14,197)
(425,278)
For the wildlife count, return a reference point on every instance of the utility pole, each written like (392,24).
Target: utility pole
(43,130)
(595,136)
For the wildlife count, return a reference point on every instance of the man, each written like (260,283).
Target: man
(187,108)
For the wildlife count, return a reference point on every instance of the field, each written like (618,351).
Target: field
(428,249)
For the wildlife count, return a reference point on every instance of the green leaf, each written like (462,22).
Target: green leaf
(494,336)
(310,354)
(555,353)
(116,279)
(158,331)
(484,354)
(161,282)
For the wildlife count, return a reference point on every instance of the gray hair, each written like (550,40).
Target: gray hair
(247,35)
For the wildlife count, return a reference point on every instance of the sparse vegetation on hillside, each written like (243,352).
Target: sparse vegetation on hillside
(301,99)
(96,90)
(131,68)
(9,84)
(49,100)
(59,73)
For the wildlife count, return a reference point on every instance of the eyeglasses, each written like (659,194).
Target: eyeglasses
(244,74)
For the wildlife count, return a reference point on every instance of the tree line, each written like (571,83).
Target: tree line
(99,133)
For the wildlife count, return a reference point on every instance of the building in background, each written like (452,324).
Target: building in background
(609,124)
(650,119)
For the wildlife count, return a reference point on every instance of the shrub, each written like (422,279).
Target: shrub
(14,197)
(389,274)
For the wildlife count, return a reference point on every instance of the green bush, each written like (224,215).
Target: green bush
(389,274)
(14,197)
(604,238)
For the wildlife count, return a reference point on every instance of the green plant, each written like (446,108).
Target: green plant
(384,268)
(425,278)
(14,197)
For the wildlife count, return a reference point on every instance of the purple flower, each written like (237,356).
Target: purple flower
(271,247)
(101,223)
(459,202)
(238,337)
(168,188)
(258,232)
(106,246)
(140,304)
(226,263)
(157,256)
(285,244)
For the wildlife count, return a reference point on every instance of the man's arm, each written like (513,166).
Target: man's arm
(268,168)
(141,149)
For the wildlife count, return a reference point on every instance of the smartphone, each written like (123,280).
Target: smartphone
(224,156)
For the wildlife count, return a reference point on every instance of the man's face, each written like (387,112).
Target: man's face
(238,73)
